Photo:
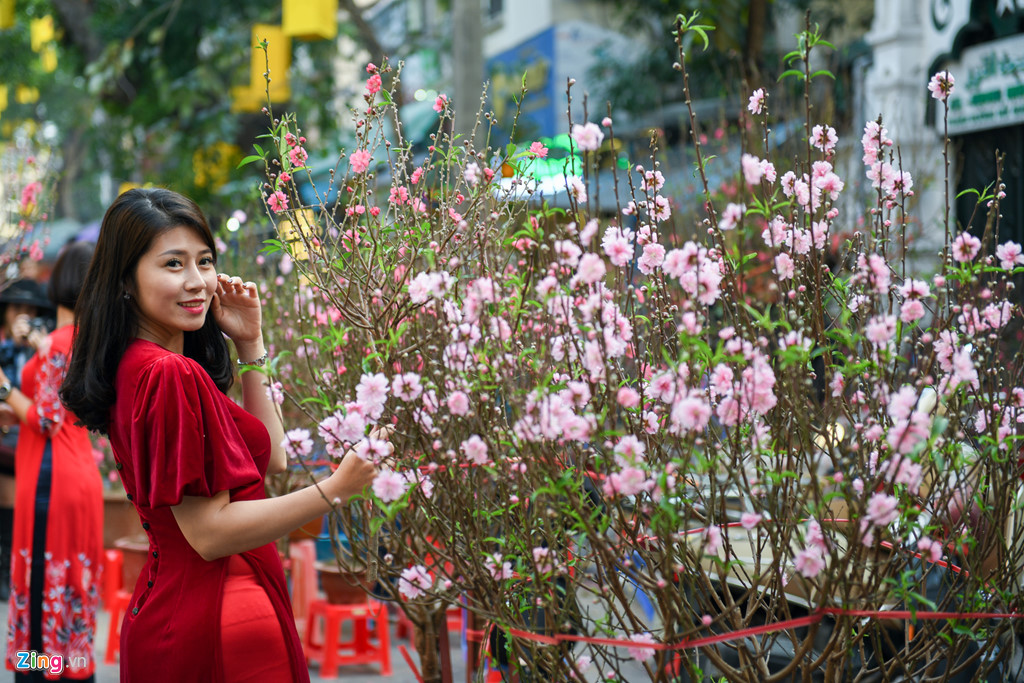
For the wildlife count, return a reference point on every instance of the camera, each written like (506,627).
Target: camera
(39,325)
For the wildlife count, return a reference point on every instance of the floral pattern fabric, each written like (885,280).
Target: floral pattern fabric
(69,608)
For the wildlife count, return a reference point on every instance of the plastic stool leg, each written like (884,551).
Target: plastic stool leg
(384,639)
(329,662)
(113,577)
(117,608)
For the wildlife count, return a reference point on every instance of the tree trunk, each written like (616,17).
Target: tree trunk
(74,17)
(364,31)
(467,63)
(436,666)
(72,152)
(753,46)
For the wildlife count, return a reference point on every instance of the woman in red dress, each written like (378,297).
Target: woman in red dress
(150,367)
(58,513)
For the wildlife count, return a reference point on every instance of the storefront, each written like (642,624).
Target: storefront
(980,42)
(987,112)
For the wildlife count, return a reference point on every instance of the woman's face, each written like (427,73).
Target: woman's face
(12,312)
(174,285)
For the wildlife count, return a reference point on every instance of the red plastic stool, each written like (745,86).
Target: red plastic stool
(329,651)
(113,577)
(116,607)
(302,556)
(403,627)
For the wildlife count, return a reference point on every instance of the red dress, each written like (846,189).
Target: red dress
(72,549)
(174,434)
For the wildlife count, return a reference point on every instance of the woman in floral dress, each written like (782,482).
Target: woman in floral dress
(58,514)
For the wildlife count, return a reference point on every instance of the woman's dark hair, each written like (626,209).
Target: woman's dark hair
(107,321)
(69,273)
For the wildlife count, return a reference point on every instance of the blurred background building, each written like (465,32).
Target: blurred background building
(140,91)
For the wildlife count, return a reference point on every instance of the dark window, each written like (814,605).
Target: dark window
(976,154)
(976,158)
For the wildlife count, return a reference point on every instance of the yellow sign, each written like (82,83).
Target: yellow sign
(42,32)
(6,14)
(26,95)
(297,237)
(48,58)
(274,62)
(310,19)
(244,98)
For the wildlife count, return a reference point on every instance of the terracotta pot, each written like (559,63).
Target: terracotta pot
(119,518)
(307,530)
(342,588)
(135,550)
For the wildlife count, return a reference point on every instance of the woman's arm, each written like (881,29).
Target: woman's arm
(236,308)
(43,413)
(217,527)
(256,400)
(17,401)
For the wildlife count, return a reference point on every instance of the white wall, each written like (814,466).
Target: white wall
(896,88)
(520,20)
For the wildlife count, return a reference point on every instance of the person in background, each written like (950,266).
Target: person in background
(58,515)
(22,302)
(151,367)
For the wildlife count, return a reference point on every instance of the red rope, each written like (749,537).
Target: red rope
(693,643)
(412,664)
(814,618)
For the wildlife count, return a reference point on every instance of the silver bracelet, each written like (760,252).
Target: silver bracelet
(258,363)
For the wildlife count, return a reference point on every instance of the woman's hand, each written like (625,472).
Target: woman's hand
(236,308)
(353,476)
(21,328)
(26,335)
(354,473)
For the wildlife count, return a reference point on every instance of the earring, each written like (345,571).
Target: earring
(127,296)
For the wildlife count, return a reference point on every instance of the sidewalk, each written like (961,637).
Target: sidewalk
(363,673)
(591,608)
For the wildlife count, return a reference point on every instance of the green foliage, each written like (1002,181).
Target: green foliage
(155,77)
(684,25)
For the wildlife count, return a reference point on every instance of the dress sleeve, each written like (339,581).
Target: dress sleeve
(46,414)
(185,441)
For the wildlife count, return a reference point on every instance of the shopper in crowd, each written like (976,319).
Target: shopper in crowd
(23,302)
(58,518)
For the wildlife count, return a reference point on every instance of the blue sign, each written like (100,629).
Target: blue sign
(539,113)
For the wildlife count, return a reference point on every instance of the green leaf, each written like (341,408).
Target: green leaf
(272,246)
(791,72)
(375,524)
(823,72)
(703,36)
(749,257)
(248,160)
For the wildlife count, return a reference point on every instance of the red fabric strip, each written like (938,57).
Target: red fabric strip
(412,665)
